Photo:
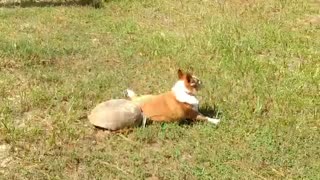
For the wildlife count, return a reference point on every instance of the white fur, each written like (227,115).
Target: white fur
(130,93)
(213,120)
(182,95)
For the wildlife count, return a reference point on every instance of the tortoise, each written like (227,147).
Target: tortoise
(117,114)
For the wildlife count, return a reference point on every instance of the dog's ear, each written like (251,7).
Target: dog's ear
(180,74)
(189,77)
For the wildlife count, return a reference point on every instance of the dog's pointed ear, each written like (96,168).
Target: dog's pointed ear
(189,77)
(180,74)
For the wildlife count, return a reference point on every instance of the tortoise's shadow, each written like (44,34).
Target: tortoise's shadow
(208,111)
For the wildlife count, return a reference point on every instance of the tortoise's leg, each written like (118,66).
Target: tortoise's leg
(123,131)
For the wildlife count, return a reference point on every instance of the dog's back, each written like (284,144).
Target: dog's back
(165,107)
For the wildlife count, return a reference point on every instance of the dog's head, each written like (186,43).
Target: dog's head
(191,82)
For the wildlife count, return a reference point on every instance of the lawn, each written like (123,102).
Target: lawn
(259,62)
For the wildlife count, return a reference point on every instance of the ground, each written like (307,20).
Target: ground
(259,62)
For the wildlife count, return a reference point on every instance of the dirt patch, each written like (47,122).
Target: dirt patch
(313,20)
(5,157)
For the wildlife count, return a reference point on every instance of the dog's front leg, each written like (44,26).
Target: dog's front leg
(195,115)
(201,117)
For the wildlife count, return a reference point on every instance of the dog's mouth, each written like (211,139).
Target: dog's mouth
(195,83)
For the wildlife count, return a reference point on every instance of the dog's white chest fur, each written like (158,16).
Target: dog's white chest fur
(182,95)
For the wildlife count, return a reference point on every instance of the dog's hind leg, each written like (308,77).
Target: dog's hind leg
(144,121)
(130,94)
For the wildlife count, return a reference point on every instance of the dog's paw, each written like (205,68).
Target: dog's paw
(213,120)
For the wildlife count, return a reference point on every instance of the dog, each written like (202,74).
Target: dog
(178,104)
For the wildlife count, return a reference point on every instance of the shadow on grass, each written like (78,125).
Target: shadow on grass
(52,3)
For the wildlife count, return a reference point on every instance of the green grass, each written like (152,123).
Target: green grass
(259,61)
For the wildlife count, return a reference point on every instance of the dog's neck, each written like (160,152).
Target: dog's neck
(184,95)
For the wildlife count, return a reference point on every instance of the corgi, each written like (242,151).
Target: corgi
(175,105)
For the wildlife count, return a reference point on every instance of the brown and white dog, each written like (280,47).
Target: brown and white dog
(178,104)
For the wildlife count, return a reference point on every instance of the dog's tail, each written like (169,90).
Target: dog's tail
(130,94)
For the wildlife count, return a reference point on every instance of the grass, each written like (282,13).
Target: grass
(259,61)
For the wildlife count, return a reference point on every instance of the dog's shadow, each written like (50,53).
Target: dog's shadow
(206,110)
